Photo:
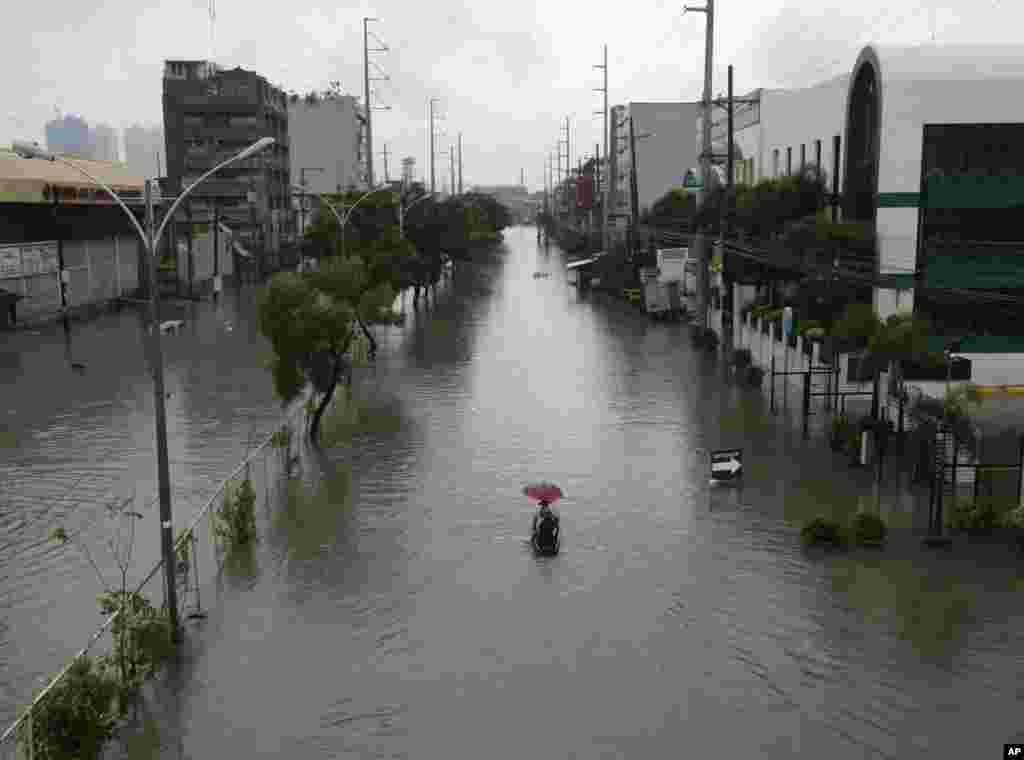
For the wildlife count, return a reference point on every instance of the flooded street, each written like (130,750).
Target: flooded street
(393,607)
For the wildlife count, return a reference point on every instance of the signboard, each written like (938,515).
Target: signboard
(584,192)
(692,181)
(787,321)
(28,259)
(726,464)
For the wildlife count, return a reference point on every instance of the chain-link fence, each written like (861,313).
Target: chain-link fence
(80,694)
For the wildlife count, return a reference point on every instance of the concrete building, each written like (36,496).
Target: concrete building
(105,143)
(145,151)
(930,155)
(210,114)
(326,137)
(69,135)
(666,147)
(54,223)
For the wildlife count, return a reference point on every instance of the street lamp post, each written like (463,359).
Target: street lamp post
(352,208)
(323,200)
(151,235)
(402,208)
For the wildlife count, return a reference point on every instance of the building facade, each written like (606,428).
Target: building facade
(210,114)
(929,155)
(144,151)
(57,226)
(325,138)
(105,143)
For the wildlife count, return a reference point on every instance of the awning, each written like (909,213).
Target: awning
(981,271)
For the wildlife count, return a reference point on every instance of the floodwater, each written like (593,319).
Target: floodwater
(393,608)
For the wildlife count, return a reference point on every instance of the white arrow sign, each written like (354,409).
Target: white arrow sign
(726,464)
(730,466)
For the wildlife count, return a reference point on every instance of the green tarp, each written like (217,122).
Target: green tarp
(975,192)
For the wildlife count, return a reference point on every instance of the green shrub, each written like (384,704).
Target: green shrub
(1014,518)
(840,432)
(236,519)
(977,516)
(822,530)
(868,529)
(76,718)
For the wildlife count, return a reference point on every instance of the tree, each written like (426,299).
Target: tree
(310,318)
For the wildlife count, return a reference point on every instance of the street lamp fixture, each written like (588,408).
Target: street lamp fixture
(151,239)
(352,208)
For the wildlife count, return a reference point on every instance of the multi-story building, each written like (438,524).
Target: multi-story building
(144,151)
(325,137)
(210,114)
(70,136)
(105,144)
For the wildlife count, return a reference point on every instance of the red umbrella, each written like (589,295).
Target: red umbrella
(548,492)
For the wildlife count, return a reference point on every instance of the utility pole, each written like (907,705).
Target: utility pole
(460,163)
(633,191)
(451,168)
(603,188)
(369,105)
(433,150)
(726,208)
(369,109)
(702,240)
(387,177)
(162,458)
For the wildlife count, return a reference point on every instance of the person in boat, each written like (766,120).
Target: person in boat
(545,516)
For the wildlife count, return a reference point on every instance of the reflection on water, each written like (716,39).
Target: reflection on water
(393,607)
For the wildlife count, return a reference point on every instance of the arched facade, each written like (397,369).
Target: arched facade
(863,139)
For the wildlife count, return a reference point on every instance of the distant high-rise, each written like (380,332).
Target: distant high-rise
(69,135)
(144,151)
(104,143)
(408,169)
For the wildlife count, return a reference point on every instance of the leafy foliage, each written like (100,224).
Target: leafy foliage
(868,528)
(76,718)
(824,530)
(236,519)
(982,515)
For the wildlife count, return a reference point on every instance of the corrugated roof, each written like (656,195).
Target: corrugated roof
(33,174)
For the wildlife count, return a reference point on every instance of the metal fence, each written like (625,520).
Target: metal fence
(267,465)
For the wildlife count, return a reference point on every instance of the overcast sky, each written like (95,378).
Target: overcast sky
(507,73)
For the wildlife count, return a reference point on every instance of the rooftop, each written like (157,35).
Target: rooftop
(24,179)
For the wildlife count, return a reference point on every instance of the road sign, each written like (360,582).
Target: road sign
(726,464)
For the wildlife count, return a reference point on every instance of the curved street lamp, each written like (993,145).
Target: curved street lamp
(402,208)
(352,208)
(151,239)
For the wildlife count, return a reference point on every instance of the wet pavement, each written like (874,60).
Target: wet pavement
(393,607)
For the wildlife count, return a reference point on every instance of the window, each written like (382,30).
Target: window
(789,161)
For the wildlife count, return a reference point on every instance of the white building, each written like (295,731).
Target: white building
(105,143)
(326,137)
(931,152)
(145,151)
